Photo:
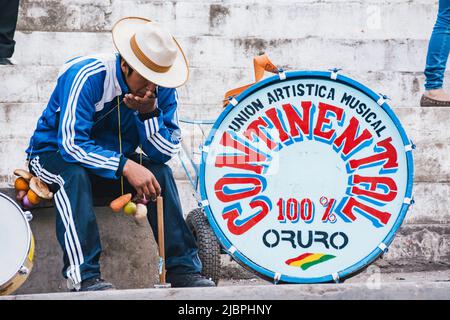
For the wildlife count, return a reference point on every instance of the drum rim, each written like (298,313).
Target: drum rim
(29,236)
(377,251)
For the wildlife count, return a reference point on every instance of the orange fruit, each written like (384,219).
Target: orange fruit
(33,197)
(21,184)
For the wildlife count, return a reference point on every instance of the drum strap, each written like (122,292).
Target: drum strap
(261,64)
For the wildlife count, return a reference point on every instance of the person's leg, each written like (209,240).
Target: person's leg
(182,262)
(437,55)
(76,225)
(8,19)
(180,245)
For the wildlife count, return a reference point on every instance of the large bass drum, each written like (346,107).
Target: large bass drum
(16,245)
(306,177)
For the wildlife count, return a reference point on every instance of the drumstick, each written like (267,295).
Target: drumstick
(162,256)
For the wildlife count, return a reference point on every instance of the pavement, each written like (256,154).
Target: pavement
(372,284)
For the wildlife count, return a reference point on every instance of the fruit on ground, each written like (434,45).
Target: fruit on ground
(21,184)
(33,197)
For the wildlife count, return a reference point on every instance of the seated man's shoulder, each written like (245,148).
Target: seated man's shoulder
(86,64)
(167,94)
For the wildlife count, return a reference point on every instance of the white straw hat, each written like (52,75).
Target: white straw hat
(151,51)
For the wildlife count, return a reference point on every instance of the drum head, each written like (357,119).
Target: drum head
(306,179)
(15,237)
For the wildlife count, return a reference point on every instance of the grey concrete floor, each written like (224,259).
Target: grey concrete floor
(372,284)
(369,277)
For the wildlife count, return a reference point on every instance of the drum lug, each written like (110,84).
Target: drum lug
(410,147)
(203,203)
(336,278)
(232,101)
(232,250)
(204,149)
(28,215)
(276,278)
(281,74)
(334,73)
(382,99)
(24,270)
(384,250)
(409,201)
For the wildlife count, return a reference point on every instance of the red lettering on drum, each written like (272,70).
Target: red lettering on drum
(325,111)
(388,157)
(294,210)
(250,185)
(274,115)
(254,129)
(295,121)
(374,183)
(348,140)
(232,213)
(249,161)
(350,204)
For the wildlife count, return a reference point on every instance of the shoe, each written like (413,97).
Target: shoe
(428,102)
(6,61)
(178,280)
(94,284)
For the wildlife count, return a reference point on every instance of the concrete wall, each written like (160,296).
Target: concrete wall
(380,43)
(129,258)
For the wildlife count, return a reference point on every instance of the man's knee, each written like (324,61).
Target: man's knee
(75,173)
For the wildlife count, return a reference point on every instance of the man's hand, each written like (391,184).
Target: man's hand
(142,180)
(144,101)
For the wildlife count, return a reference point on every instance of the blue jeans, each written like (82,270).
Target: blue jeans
(75,193)
(438,48)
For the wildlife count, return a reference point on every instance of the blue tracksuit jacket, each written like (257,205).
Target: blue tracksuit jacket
(80,123)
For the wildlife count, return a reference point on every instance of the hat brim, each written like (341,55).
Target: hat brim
(122,32)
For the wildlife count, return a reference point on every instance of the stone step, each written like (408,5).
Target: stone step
(370,55)
(129,257)
(426,127)
(206,86)
(336,19)
(421,289)
(415,248)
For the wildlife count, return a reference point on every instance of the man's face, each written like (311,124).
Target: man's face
(137,84)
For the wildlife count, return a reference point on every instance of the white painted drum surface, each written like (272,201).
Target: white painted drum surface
(307,178)
(14,239)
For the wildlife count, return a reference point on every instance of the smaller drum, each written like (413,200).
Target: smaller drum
(16,245)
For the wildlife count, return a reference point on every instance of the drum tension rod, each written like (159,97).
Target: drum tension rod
(409,201)
(382,99)
(281,74)
(335,277)
(411,146)
(28,215)
(24,270)
(233,101)
(203,203)
(334,73)
(384,249)
(276,278)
